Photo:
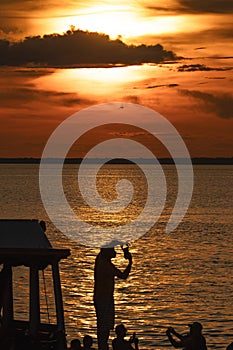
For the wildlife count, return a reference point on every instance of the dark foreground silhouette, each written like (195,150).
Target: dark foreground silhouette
(105,272)
(87,342)
(230,346)
(75,344)
(194,340)
(120,343)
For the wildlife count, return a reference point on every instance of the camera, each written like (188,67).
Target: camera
(126,251)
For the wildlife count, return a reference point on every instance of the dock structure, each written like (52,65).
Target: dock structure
(24,243)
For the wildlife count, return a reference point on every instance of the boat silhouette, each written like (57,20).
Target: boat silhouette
(24,243)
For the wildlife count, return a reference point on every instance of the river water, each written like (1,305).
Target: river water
(176,278)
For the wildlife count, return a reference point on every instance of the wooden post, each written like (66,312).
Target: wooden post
(34,321)
(8,307)
(61,336)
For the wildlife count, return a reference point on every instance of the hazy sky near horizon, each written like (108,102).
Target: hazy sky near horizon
(176,20)
(198,101)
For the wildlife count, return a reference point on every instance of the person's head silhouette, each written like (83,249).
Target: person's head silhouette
(87,342)
(195,327)
(108,253)
(75,344)
(120,330)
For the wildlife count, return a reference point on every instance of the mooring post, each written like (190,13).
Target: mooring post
(59,307)
(34,320)
(8,307)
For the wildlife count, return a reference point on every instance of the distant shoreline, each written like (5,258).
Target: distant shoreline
(200,161)
(29,66)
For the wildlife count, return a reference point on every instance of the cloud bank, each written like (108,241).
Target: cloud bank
(191,6)
(78,47)
(200,67)
(207,6)
(23,96)
(220,104)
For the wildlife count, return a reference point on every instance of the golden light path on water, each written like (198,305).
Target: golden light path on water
(175,279)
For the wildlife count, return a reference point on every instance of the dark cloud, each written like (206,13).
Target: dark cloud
(193,6)
(219,104)
(18,17)
(159,9)
(162,85)
(78,47)
(16,8)
(29,94)
(216,78)
(10,31)
(200,67)
(127,133)
(216,57)
(221,33)
(200,48)
(207,6)
(32,72)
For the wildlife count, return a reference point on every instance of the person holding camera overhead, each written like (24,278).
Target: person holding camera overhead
(104,276)
(194,340)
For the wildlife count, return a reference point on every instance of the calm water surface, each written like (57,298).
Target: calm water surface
(176,279)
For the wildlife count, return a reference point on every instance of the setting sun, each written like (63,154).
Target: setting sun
(117,21)
(125,20)
(112,20)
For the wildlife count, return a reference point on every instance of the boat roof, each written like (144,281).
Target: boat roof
(22,234)
(24,242)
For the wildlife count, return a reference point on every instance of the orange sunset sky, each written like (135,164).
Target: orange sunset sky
(193,92)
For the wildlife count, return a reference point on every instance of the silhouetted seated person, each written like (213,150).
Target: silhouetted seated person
(194,340)
(105,273)
(230,346)
(75,344)
(120,343)
(87,342)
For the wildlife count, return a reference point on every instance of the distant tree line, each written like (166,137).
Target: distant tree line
(78,47)
(199,161)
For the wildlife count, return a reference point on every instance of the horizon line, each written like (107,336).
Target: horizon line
(78,160)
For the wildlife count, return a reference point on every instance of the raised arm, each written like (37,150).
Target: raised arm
(123,275)
(177,344)
(177,335)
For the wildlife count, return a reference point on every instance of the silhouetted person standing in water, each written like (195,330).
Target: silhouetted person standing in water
(194,340)
(105,273)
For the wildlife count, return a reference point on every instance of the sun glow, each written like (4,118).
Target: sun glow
(94,81)
(112,23)
(118,21)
